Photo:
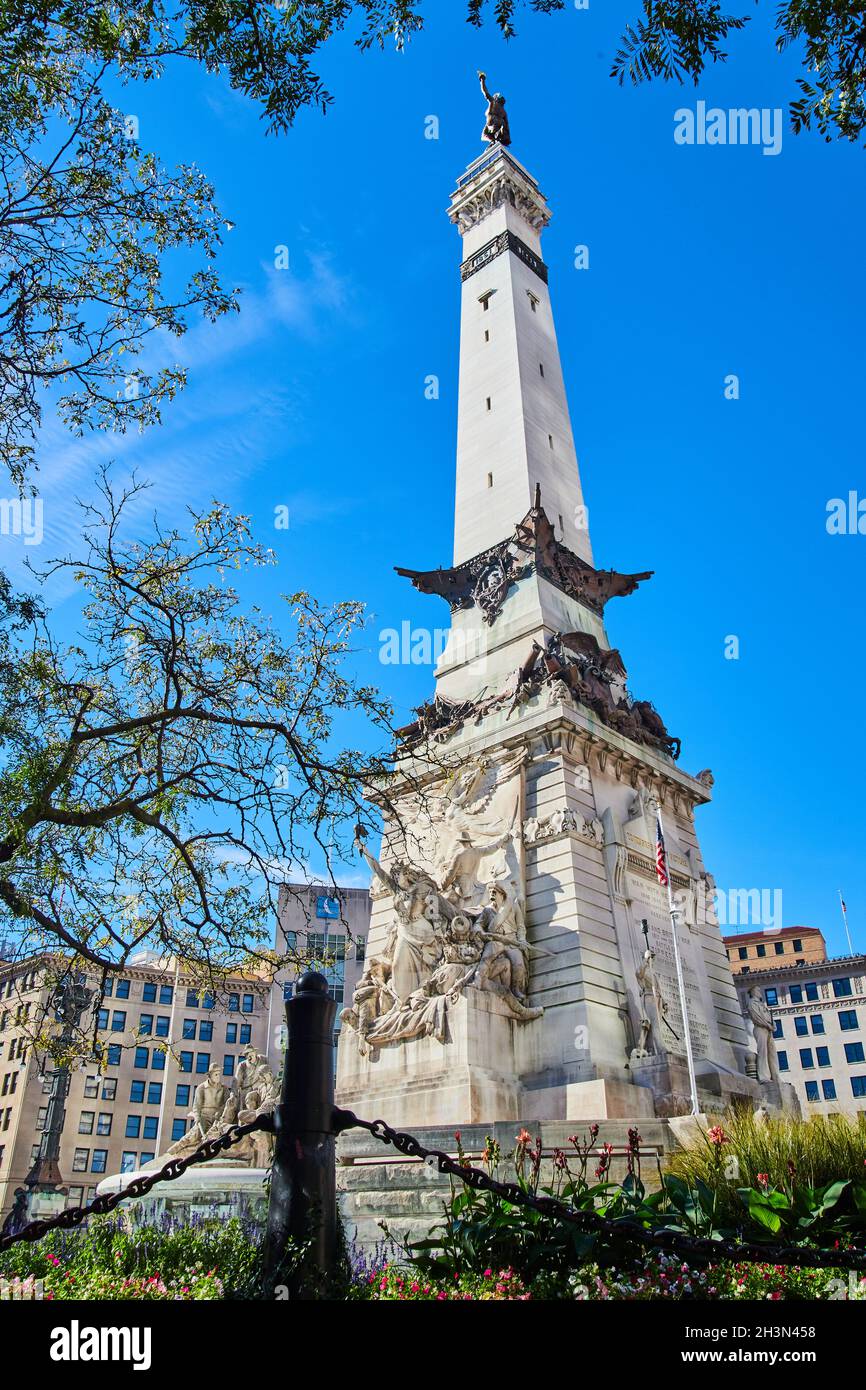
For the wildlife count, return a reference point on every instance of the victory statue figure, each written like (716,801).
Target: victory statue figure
(495,130)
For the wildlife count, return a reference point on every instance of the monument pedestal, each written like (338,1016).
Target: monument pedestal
(466,1080)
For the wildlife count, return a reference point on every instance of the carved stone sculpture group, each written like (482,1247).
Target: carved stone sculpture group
(217,1105)
(455,923)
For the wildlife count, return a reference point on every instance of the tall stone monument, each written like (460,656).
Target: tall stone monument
(520,954)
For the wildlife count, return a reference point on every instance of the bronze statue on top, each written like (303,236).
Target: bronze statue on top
(496,131)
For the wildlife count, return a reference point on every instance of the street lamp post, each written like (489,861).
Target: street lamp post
(44,1182)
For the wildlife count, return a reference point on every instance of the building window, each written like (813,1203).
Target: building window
(103,1123)
(234,1003)
(796,945)
(208,1002)
(848,1020)
(771,996)
(806,1059)
(812,1090)
(127,1161)
(91,1087)
(817,1022)
(178,1130)
(186,1061)
(858,1086)
(777,1028)
(842,988)
(163,1023)
(801,1027)
(246,1032)
(42,1116)
(114,1053)
(133,1126)
(154,1093)
(166,994)
(231,1032)
(142,1057)
(109,1088)
(80,1160)
(108,987)
(854,1052)
(85,1121)
(761,950)
(829,1089)
(145,1025)
(743,952)
(136,1093)
(782,1059)
(151,1125)
(205,1030)
(192,999)
(74,1197)
(181,1095)
(228,1065)
(148,992)
(248,1004)
(812,993)
(541,368)
(361,941)
(822,1056)
(158,1062)
(122,991)
(795,994)
(202,1062)
(779,947)
(102,1018)
(118,1021)
(147,1158)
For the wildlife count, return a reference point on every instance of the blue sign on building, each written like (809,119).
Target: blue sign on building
(328,907)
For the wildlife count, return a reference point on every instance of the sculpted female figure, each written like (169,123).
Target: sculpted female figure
(414,947)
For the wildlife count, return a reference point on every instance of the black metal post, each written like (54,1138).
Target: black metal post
(303,1197)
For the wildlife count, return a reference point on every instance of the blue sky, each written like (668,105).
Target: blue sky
(704,261)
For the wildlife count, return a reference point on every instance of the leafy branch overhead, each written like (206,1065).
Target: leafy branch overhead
(675,39)
(91,220)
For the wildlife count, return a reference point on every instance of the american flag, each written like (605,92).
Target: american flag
(661,857)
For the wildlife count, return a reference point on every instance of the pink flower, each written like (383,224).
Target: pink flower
(717,1135)
(488,1274)
(763,1179)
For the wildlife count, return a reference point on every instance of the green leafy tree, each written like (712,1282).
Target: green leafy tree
(676,39)
(163,776)
(87,215)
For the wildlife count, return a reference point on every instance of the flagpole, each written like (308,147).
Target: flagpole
(845,920)
(674,913)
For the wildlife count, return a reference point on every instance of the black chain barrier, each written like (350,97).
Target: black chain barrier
(591,1222)
(139,1187)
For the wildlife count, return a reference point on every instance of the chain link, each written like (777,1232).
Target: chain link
(592,1222)
(73,1216)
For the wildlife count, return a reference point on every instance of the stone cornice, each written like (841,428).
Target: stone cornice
(494,179)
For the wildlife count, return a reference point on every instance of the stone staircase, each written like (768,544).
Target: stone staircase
(377,1186)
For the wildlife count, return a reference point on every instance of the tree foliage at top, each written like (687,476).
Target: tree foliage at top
(89,219)
(676,39)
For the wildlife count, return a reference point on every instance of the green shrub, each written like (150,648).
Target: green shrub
(107,1252)
(786,1155)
